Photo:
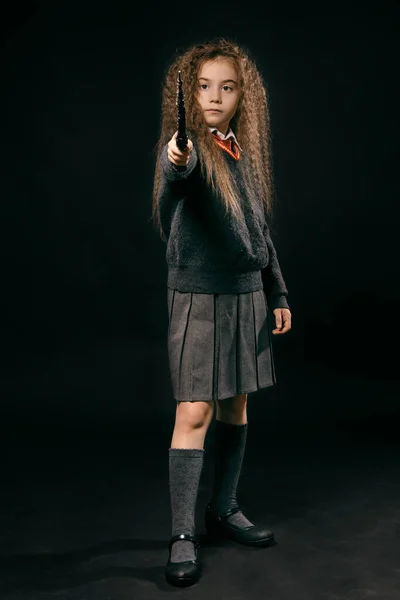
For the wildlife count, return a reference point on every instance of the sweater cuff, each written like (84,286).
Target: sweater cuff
(277,301)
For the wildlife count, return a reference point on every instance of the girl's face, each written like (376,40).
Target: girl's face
(218,92)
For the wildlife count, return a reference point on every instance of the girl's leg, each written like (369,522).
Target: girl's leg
(229,446)
(192,420)
(186,457)
(233,410)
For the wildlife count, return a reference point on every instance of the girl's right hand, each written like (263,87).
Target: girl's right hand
(175,155)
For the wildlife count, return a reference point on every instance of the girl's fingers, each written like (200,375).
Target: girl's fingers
(177,161)
(182,153)
(177,156)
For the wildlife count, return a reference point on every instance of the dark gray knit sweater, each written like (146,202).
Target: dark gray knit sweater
(207,251)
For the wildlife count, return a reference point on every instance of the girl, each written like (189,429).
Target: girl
(212,204)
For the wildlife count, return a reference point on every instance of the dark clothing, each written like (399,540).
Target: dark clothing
(219,345)
(209,252)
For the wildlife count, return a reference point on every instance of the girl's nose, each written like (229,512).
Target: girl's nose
(215,96)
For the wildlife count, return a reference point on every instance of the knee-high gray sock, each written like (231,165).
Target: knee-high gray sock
(229,447)
(185,467)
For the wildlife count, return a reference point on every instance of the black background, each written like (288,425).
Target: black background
(83,274)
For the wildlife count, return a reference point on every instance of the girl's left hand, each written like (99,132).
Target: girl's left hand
(283,319)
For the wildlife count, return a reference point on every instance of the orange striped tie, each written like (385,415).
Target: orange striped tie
(228,145)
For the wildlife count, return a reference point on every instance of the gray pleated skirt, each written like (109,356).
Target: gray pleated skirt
(219,345)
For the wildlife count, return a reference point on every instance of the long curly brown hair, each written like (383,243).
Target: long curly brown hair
(250,124)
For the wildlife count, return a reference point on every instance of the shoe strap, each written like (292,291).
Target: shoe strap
(228,513)
(184,536)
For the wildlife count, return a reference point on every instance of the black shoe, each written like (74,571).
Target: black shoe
(252,535)
(186,572)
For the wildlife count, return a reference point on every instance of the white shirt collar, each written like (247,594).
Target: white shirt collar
(225,137)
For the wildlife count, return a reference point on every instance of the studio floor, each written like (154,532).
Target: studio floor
(85,514)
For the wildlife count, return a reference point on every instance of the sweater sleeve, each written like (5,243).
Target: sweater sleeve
(174,180)
(172,172)
(274,285)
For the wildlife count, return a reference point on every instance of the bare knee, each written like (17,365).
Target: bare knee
(194,415)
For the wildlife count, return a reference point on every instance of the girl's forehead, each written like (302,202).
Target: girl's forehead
(219,67)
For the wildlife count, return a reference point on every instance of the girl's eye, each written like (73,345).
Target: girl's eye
(203,86)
